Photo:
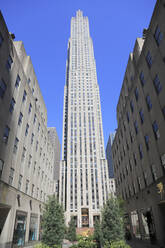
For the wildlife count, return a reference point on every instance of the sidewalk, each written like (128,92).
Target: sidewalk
(142,244)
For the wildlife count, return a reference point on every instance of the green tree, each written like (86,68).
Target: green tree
(72,230)
(98,236)
(53,224)
(112,221)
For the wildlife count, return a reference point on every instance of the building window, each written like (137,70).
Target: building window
(34,120)
(9,63)
(38,127)
(132,106)
(149,59)
(30,160)
(1,167)
(148,101)
(141,116)
(27,186)
(20,119)
(32,138)
(6,134)
(156,130)
(141,77)
(157,84)
(32,190)
(30,108)
(20,182)
(136,94)
(136,127)
(16,145)
(158,35)
(27,129)
(11,176)
(2,88)
(134,157)
(12,104)
(128,117)
(24,96)
(23,153)
(140,151)
(17,81)
(1,39)
(146,137)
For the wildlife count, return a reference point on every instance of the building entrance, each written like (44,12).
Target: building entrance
(85,217)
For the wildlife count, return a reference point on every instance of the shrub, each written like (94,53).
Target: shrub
(116,244)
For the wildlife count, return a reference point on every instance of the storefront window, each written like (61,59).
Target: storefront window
(20,229)
(33,227)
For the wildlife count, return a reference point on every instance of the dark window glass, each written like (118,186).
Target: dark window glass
(148,101)
(30,108)
(1,167)
(2,88)
(157,84)
(15,145)
(34,120)
(6,134)
(149,59)
(20,119)
(131,106)
(134,157)
(146,137)
(158,35)
(24,96)
(163,111)
(17,81)
(12,104)
(140,151)
(141,116)
(127,116)
(136,94)
(9,63)
(156,130)
(26,131)
(32,138)
(142,79)
(136,127)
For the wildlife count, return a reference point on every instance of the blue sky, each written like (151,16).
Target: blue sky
(44,27)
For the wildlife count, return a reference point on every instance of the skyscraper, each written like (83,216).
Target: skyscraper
(83,171)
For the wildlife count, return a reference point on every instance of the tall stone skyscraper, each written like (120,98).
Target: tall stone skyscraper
(83,173)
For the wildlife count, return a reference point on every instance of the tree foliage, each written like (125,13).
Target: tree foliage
(98,236)
(112,221)
(53,224)
(71,235)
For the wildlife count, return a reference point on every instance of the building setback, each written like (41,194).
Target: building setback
(27,155)
(83,171)
(138,149)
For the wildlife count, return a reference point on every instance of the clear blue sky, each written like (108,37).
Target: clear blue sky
(44,27)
